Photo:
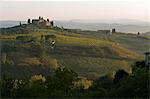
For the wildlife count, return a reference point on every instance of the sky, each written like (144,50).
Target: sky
(69,10)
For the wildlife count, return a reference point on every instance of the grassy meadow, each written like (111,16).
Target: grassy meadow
(89,53)
(83,64)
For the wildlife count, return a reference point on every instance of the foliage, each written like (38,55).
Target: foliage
(120,74)
(64,78)
(37,78)
(82,83)
(136,86)
(3,58)
(10,86)
(89,53)
(29,21)
(65,83)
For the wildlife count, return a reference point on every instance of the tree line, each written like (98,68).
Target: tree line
(66,83)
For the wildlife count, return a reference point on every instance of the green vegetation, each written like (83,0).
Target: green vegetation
(87,52)
(65,83)
(81,64)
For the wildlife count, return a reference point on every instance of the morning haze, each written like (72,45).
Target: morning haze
(65,10)
(93,49)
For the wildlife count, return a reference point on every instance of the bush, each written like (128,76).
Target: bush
(37,78)
(3,58)
(10,86)
(120,74)
(64,78)
(82,83)
(135,86)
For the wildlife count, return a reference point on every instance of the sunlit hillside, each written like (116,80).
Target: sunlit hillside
(88,53)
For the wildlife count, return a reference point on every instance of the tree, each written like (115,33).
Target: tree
(34,87)
(135,86)
(47,20)
(120,74)
(29,21)
(113,30)
(4,57)
(65,77)
(10,86)
(52,23)
(140,64)
(20,23)
(82,83)
(61,82)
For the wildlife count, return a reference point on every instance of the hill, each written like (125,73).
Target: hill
(146,34)
(88,53)
(127,26)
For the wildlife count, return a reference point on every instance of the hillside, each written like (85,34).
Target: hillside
(88,53)
(146,34)
(127,26)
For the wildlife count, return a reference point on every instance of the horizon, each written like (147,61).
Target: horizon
(78,19)
(75,10)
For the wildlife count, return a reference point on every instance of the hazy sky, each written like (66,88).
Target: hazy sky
(67,10)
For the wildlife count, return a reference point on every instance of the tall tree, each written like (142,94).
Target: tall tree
(52,23)
(29,21)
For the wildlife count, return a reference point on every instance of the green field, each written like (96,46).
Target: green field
(88,53)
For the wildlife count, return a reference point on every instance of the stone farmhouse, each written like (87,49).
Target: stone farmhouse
(41,22)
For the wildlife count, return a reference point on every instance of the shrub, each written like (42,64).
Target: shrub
(82,83)
(37,78)
(3,58)
(64,78)
(120,74)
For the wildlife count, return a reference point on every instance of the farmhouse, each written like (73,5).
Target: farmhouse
(41,22)
(147,58)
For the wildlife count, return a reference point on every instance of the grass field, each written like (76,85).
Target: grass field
(88,53)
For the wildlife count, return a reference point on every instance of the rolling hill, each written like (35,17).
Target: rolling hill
(124,25)
(88,53)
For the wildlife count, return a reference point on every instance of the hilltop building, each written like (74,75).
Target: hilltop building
(41,22)
(147,58)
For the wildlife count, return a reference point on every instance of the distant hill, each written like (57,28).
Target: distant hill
(5,24)
(128,26)
(146,34)
(91,54)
